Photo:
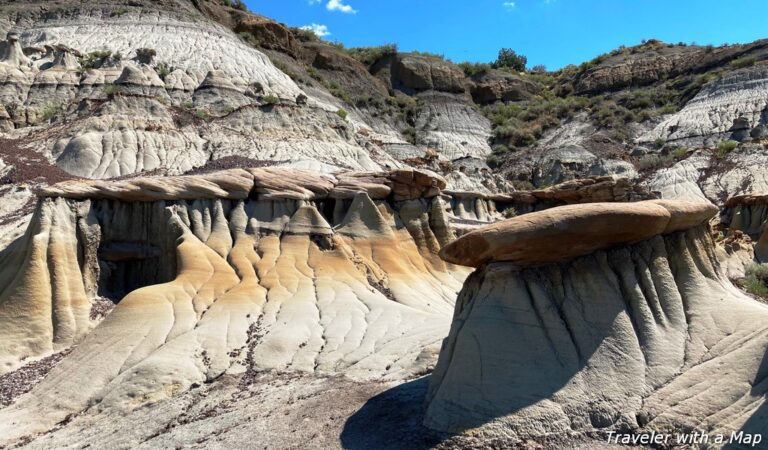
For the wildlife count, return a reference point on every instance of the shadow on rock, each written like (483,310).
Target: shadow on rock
(757,424)
(392,420)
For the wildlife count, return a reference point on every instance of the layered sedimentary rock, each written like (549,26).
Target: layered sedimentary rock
(488,206)
(228,272)
(739,100)
(613,317)
(132,108)
(456,130)
(705,176)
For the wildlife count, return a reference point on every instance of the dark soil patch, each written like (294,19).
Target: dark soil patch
(28,165)
(232,162)
(23,379)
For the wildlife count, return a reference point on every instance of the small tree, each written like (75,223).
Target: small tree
(508,58)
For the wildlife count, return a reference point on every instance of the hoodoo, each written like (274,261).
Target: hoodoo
(749,214)
(223,273)
(600,317)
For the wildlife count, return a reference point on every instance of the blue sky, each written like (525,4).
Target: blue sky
(550,32)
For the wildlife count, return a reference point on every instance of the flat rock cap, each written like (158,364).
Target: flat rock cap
(565,232)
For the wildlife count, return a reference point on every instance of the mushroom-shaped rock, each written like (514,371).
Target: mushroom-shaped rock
(11,52)
(748,213)
(646,336)
(64,59)
(562,233)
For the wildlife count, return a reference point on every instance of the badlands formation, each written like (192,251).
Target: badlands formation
(628,322)
(217,231)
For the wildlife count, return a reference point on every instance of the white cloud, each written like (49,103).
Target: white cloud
(319,30)
(338,5)
(508,5)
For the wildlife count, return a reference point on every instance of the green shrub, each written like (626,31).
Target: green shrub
(270,99)
(679,152)
(369,55)
(523,185)
(471,69)
(654,161)
(341,112)
(724,148)
(314,73)
(667,109)
(202,114)
(117,12)
(410,135)
(743,62)
(163,70)
(428,54)
(188,104)
(509,59)
(249,38)
(94,58)
(304,35)
(51,110)
(111,89)
(756,279)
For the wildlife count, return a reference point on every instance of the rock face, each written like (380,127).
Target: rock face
(454,129)
(739,98)
(133,103)
(646,335)
(493,86)
(423,73)
(223,273)
(704,176)
(654,61)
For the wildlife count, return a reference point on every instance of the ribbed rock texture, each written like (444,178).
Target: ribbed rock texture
(738,97)
(641,336)
(224,273)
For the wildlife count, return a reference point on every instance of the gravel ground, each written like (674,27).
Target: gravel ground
(280,411)
(22,380)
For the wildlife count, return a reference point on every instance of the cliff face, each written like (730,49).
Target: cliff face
(226,273)
(646,336)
